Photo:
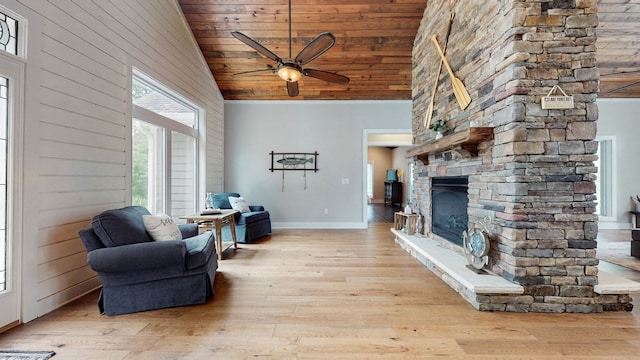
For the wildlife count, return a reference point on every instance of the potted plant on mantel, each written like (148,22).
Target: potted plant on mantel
(439,126)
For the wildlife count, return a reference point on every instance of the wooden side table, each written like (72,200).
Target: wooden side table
(211,222)
(405,222)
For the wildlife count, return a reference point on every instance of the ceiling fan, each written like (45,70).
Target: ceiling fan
(291,69)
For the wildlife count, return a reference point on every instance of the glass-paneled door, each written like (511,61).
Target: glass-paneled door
(10,72)
(12,35)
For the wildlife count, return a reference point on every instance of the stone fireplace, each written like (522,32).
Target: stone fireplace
(530,170)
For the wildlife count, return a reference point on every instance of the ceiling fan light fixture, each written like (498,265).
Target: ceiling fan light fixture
(289,73)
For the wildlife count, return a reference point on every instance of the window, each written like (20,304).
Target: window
(605,189)
(164,155)
(8,34)
(4,120)
(409,180)
(370,181)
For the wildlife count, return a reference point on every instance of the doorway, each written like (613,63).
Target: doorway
(384,150)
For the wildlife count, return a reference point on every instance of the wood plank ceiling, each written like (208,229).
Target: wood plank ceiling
(374,40)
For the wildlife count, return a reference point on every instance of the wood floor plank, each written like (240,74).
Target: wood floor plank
(327,294)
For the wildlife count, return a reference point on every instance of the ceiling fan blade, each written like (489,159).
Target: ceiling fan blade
(269,68)
(292,88)
(256,46)
(326,76)
(315,48)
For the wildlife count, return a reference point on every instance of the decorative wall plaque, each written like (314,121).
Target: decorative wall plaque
(557,102)
(294,161)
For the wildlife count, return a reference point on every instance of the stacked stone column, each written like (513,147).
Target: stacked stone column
(536,178)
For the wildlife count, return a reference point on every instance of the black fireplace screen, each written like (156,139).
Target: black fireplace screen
(449,202)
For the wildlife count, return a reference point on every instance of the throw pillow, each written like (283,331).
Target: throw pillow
(239,203)
(161,227)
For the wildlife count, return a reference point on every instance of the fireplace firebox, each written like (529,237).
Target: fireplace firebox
(449,202)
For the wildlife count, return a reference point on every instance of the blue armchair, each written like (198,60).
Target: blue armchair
(250,226)
(138,273)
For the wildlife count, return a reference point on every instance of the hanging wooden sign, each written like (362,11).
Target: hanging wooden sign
(557,102)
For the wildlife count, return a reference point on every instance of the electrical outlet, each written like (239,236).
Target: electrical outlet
(326,211)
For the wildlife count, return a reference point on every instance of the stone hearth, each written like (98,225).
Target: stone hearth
(534,176)
(488,291)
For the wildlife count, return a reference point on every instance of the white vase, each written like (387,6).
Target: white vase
(407,209)
(438,135)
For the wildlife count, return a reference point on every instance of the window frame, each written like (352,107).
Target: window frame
(169,126)
(607,178)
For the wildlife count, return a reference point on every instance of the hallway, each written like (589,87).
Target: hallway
(379,213)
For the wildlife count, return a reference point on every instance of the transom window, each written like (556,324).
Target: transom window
(8,34)
(149,97)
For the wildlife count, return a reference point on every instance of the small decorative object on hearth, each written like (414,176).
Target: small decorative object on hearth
(476,246)
(407,209)
(419,224)
(551,101)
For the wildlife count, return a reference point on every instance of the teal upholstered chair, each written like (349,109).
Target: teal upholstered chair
(250,225)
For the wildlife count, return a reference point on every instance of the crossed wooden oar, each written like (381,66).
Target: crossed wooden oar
(429,113)
(459,90)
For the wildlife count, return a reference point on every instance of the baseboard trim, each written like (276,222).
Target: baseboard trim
(614,225)
(318,225)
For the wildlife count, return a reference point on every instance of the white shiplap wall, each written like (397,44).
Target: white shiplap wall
(80,56)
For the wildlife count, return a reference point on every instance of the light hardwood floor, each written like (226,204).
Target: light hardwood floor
(327,294)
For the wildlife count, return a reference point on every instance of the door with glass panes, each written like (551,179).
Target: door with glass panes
(11,75)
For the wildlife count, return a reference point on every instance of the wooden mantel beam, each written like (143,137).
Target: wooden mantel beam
(468,139)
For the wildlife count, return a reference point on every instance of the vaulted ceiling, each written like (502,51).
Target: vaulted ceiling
(374,40)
